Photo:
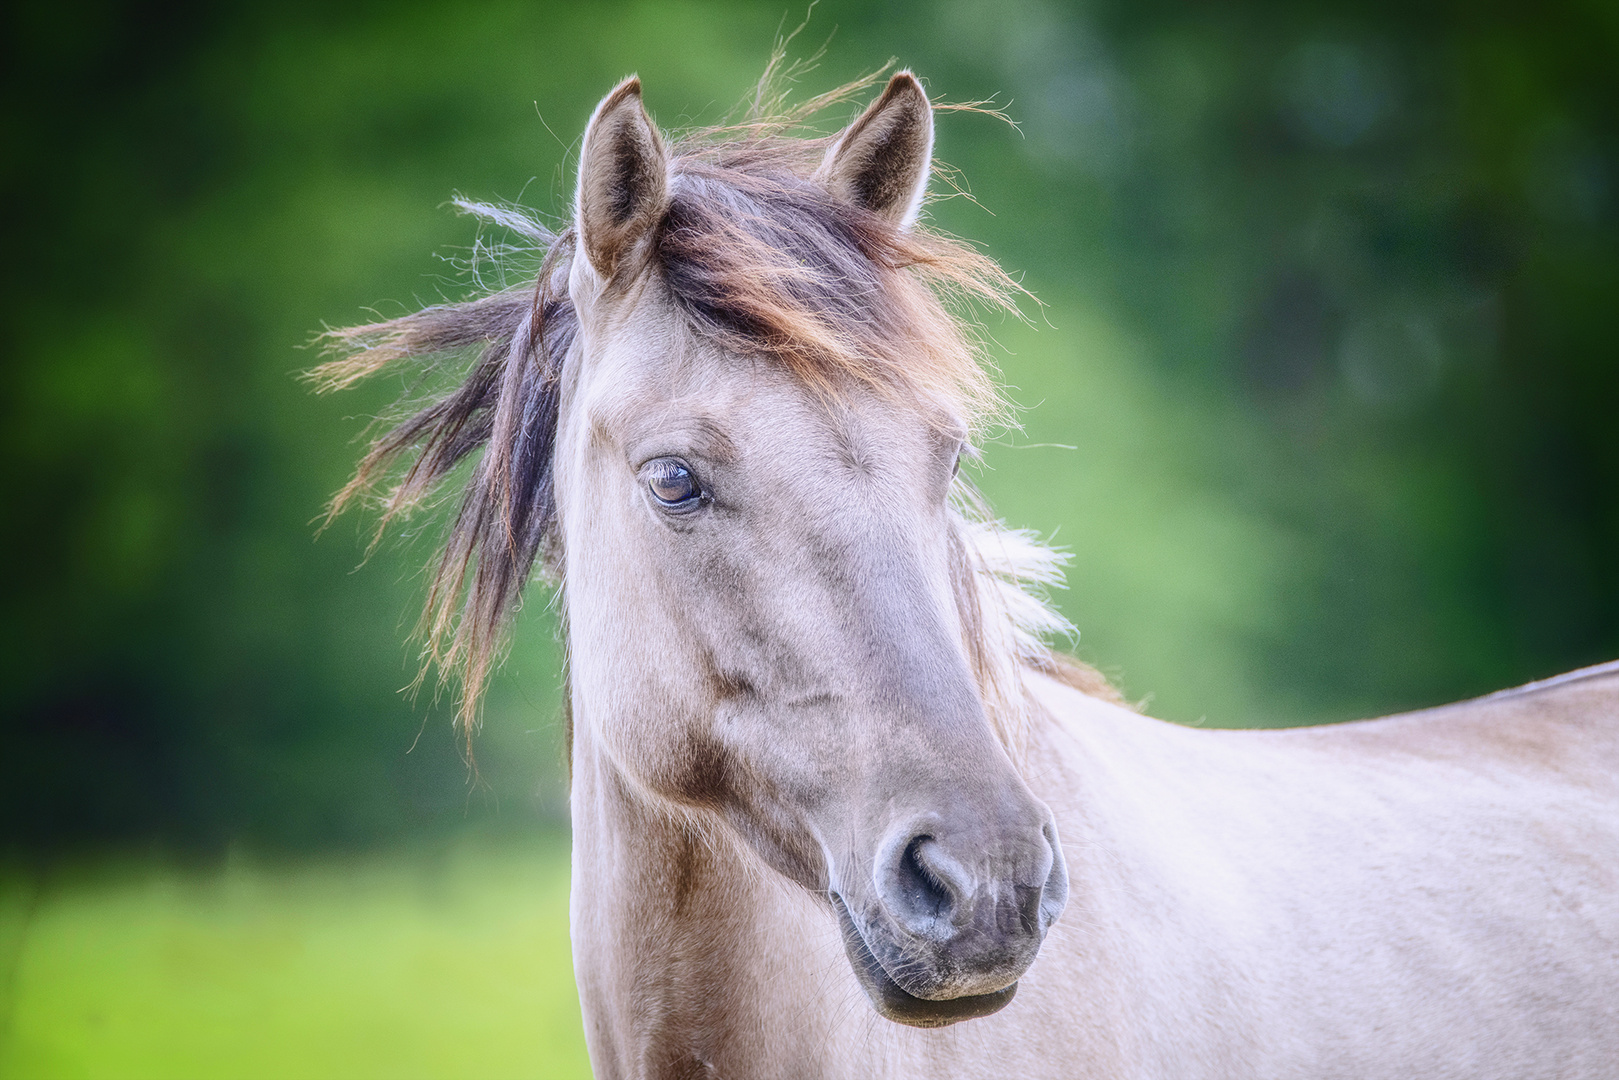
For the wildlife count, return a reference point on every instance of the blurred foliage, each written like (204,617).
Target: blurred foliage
(1329,292)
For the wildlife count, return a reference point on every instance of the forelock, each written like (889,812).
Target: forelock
(766,261)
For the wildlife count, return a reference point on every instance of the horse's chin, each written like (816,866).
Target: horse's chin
(893,1002)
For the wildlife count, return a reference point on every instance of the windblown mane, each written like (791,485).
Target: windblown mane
(761,259)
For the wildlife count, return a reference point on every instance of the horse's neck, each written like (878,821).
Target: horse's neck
(1231,889)
(693,959)
(691,954)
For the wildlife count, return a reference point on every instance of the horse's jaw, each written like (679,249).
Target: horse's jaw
(893,1002)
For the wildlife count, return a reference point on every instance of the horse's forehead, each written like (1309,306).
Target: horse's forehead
(649,367)
(648,370)
(646,362)
(637,332)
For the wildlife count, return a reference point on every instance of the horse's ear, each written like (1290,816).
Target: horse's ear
(881,161)
(623,177)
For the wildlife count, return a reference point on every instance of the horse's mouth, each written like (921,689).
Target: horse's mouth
(892,1001)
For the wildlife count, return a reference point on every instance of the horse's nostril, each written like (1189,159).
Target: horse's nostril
(929,892)
(922,894)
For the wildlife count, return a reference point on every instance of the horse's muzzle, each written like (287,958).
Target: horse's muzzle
(955,923)
(892,1001)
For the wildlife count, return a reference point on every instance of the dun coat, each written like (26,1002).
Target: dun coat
(838,808)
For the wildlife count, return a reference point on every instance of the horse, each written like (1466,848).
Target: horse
(839,807)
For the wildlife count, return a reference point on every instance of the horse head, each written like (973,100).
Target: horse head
(729,417)
(761,550)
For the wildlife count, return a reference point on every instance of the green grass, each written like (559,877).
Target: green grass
(446,964)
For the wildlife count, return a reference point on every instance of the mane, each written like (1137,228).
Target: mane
(1003,575)
(762,260)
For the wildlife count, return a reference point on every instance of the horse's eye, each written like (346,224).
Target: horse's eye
(673,485)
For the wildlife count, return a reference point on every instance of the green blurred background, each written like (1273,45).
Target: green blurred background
(1322,402)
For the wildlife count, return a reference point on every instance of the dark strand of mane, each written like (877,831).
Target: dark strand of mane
(759,257)
(507,406)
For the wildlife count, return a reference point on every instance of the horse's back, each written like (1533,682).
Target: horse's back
(1510,805)
(1563,730)
(1448,879)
